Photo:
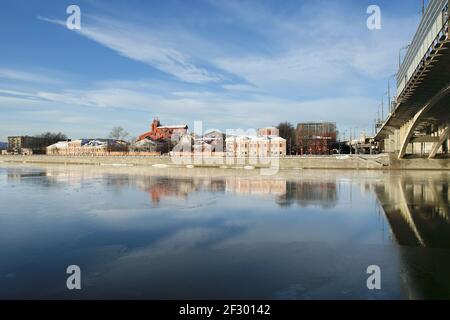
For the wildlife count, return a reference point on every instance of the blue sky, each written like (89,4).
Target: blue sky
(231,64)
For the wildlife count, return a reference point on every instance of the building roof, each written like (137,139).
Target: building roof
(265,128)
(101,142)
(59,144)
(145,143)
(255,138)
(213,133)
(177,126)
(277,139)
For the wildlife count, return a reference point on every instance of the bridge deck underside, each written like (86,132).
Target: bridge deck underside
(434,78)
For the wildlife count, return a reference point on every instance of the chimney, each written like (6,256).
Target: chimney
(155,124)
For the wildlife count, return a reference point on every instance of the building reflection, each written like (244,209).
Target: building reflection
(284,192)
(256,186)
(305,194)
(165,187)
(180,187)
(43,178)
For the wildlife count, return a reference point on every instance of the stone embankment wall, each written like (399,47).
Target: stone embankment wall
(323,162)
(382,162)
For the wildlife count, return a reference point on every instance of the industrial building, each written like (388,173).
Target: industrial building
(27,145)
(316,138)
(148,147)
(3,148)
(159,132)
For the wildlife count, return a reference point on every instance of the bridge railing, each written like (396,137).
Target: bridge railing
(433,24)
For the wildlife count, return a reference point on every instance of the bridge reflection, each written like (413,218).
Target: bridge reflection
(417,210)
(418,213)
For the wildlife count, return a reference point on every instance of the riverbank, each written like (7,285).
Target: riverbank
(358,162)
(323,162)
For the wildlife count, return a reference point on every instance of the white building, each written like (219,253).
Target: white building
(230,146)
(277,146)
(251,146)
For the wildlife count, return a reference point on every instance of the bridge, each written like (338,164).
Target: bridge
(419,119)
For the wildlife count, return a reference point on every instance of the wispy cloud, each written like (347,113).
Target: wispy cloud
(299,50)
(25,76)
(230,111)
(314,53)
(240,87)
(141,44)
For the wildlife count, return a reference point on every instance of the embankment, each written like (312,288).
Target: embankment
(361,162)
(321,162)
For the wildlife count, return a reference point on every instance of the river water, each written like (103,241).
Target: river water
(155,233)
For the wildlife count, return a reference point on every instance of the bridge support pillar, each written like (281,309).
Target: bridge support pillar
(407,130)
(442,137)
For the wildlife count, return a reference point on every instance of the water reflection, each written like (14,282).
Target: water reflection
(417,210)
(302,193)
(309,193)
(179,233)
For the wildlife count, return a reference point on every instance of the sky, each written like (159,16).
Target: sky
(230,64)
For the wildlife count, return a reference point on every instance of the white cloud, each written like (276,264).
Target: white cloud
(240,87)
(142,44)
(214,109)
(25,76)
(304,50)
(313,53)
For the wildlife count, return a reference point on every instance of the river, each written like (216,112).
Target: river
(155,233)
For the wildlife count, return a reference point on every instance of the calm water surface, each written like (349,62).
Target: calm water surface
(191,233)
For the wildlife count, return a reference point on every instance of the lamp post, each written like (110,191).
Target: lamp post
(382,106)
(389,91)
(376,124)
(378,116)
(400,53)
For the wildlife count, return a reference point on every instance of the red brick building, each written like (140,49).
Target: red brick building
(316,137)
(159,132)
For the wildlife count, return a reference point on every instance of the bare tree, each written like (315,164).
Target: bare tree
(118,133)
(287,131)
(51,137)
